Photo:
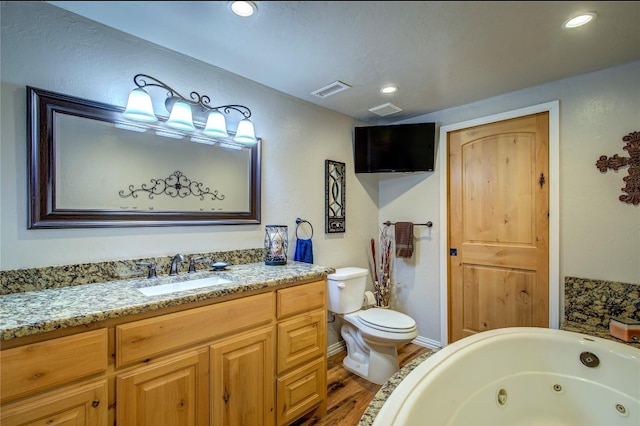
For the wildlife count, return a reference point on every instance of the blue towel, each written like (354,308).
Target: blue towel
(304,251)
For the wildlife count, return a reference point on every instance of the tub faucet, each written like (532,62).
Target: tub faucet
(174,264)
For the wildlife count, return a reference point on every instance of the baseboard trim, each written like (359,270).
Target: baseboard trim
(336,348)
(427,343)
(420,341)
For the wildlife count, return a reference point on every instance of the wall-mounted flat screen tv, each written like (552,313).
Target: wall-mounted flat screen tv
(395,148)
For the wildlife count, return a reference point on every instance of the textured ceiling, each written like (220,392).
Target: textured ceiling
(439,54)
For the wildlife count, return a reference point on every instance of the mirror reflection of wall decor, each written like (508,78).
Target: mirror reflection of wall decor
(632,187)
(334,197)
(88,167)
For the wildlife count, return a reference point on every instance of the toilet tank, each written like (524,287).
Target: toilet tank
(346,289)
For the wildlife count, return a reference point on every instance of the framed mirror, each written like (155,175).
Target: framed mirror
(89,167)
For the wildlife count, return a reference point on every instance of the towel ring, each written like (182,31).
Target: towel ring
(301,221)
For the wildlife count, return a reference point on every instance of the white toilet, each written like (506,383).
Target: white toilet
(371,335)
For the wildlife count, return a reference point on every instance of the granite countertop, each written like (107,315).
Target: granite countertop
(32,312)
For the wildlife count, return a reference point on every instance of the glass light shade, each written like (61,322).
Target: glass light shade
(139,107)
(205,141)
(181,118)
(229,145)
(245,132)
(168,134)
(216,126)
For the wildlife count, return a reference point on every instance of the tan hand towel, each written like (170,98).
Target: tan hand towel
(404,239)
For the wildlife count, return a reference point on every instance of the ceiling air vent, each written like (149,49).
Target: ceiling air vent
(385,109)
(331,89)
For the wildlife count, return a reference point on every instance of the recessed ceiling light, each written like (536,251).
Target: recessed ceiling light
(389,89)
(579,20)
(243,8)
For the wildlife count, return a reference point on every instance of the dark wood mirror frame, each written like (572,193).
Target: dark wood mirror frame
(42,106)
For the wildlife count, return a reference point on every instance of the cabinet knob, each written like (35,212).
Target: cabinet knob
(95,403)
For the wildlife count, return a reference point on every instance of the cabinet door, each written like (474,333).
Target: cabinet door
(84,405)
(242,380)
(174,391)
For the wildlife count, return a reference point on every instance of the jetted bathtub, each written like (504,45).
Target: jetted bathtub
(520,376)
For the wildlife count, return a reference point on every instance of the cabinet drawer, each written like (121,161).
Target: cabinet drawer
(301,339)
(73,405)
(144,339)
(301,390)
(31,368)
(303,298)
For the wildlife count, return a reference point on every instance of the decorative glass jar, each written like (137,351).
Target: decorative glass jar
(276,242)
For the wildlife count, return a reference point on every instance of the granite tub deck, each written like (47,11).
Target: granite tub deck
(32,312)
(590,304)
(383,394)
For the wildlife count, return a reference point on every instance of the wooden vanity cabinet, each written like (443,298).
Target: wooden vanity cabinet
(301,381)
(258,360)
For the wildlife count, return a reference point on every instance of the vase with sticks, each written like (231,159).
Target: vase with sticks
(381,269)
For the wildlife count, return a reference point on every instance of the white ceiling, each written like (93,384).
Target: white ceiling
(439,54)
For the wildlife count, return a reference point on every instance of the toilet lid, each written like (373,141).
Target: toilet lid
(387,320)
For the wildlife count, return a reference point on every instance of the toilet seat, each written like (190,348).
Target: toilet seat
(387,320)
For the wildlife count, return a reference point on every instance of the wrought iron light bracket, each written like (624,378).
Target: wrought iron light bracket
(195,99)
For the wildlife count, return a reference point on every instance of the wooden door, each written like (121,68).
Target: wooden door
(498,226)
(173,391)
(242,380)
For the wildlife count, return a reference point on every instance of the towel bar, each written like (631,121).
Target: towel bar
(429,224)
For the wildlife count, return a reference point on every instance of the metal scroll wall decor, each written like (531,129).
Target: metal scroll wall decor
(334,197)
(176,185)
(632,188)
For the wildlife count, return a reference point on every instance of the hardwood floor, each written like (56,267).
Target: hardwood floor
(348,395)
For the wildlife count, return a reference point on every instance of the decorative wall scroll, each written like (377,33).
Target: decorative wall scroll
(632,187)
(334,197)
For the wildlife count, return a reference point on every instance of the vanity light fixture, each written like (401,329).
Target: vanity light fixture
(579,20)
(139,108)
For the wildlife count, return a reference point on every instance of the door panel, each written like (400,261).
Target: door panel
(498,226)
(496,298)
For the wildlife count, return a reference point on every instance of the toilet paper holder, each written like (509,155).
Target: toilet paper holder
(369,300)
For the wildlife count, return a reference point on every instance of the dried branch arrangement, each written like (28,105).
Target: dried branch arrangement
(381,268)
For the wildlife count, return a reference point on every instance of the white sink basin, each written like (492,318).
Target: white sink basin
(180,286)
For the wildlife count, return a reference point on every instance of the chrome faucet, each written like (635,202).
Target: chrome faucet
(174,264)
(193,261)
